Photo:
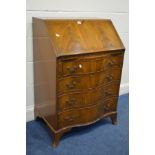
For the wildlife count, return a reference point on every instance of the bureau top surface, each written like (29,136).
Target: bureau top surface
(79,36)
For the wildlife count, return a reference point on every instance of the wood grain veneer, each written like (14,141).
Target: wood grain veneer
(77,72)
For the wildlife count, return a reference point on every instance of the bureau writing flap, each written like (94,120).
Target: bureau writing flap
(70,37)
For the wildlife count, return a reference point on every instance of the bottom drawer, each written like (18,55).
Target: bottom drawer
(86,115)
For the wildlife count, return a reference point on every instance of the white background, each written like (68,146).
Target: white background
(13,78)
(111,9)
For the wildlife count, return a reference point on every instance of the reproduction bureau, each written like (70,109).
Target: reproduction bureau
(77,72)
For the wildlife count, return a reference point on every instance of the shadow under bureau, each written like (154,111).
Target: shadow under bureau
(77,72)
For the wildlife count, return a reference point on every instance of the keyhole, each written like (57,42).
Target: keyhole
(57,35)
(80,66)
(79,22)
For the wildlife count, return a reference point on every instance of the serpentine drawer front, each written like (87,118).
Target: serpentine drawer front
(88,97)
(89,81)
(77,72)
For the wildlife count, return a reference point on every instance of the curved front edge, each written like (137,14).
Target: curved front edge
(110,114)
(85,116)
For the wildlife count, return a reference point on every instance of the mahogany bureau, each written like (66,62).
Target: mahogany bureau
(77,72)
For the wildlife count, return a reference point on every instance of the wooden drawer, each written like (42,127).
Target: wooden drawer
(107,62)
(107,91)
(78,116)
(108,105)
(83,82)
(73,67)
(75,100)
(86,115)
(89,64)
(105,77)
(114,60)
(75,83)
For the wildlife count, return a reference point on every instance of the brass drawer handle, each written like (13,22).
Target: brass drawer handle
(71,85)
(103,108)
(109,77)
(111,63)
(102,90)
(72,70)
(71,102)
(106,108)
(101,95)
(108,93)
(70,118)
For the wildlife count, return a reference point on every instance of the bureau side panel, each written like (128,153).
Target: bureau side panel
(44,74)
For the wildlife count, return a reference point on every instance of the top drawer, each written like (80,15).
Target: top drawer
(89,64)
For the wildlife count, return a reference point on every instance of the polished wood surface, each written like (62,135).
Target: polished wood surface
(89,64)
(72,37)
(77,72)
(89,81)
(74,117)
(87,97)
(44,74)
